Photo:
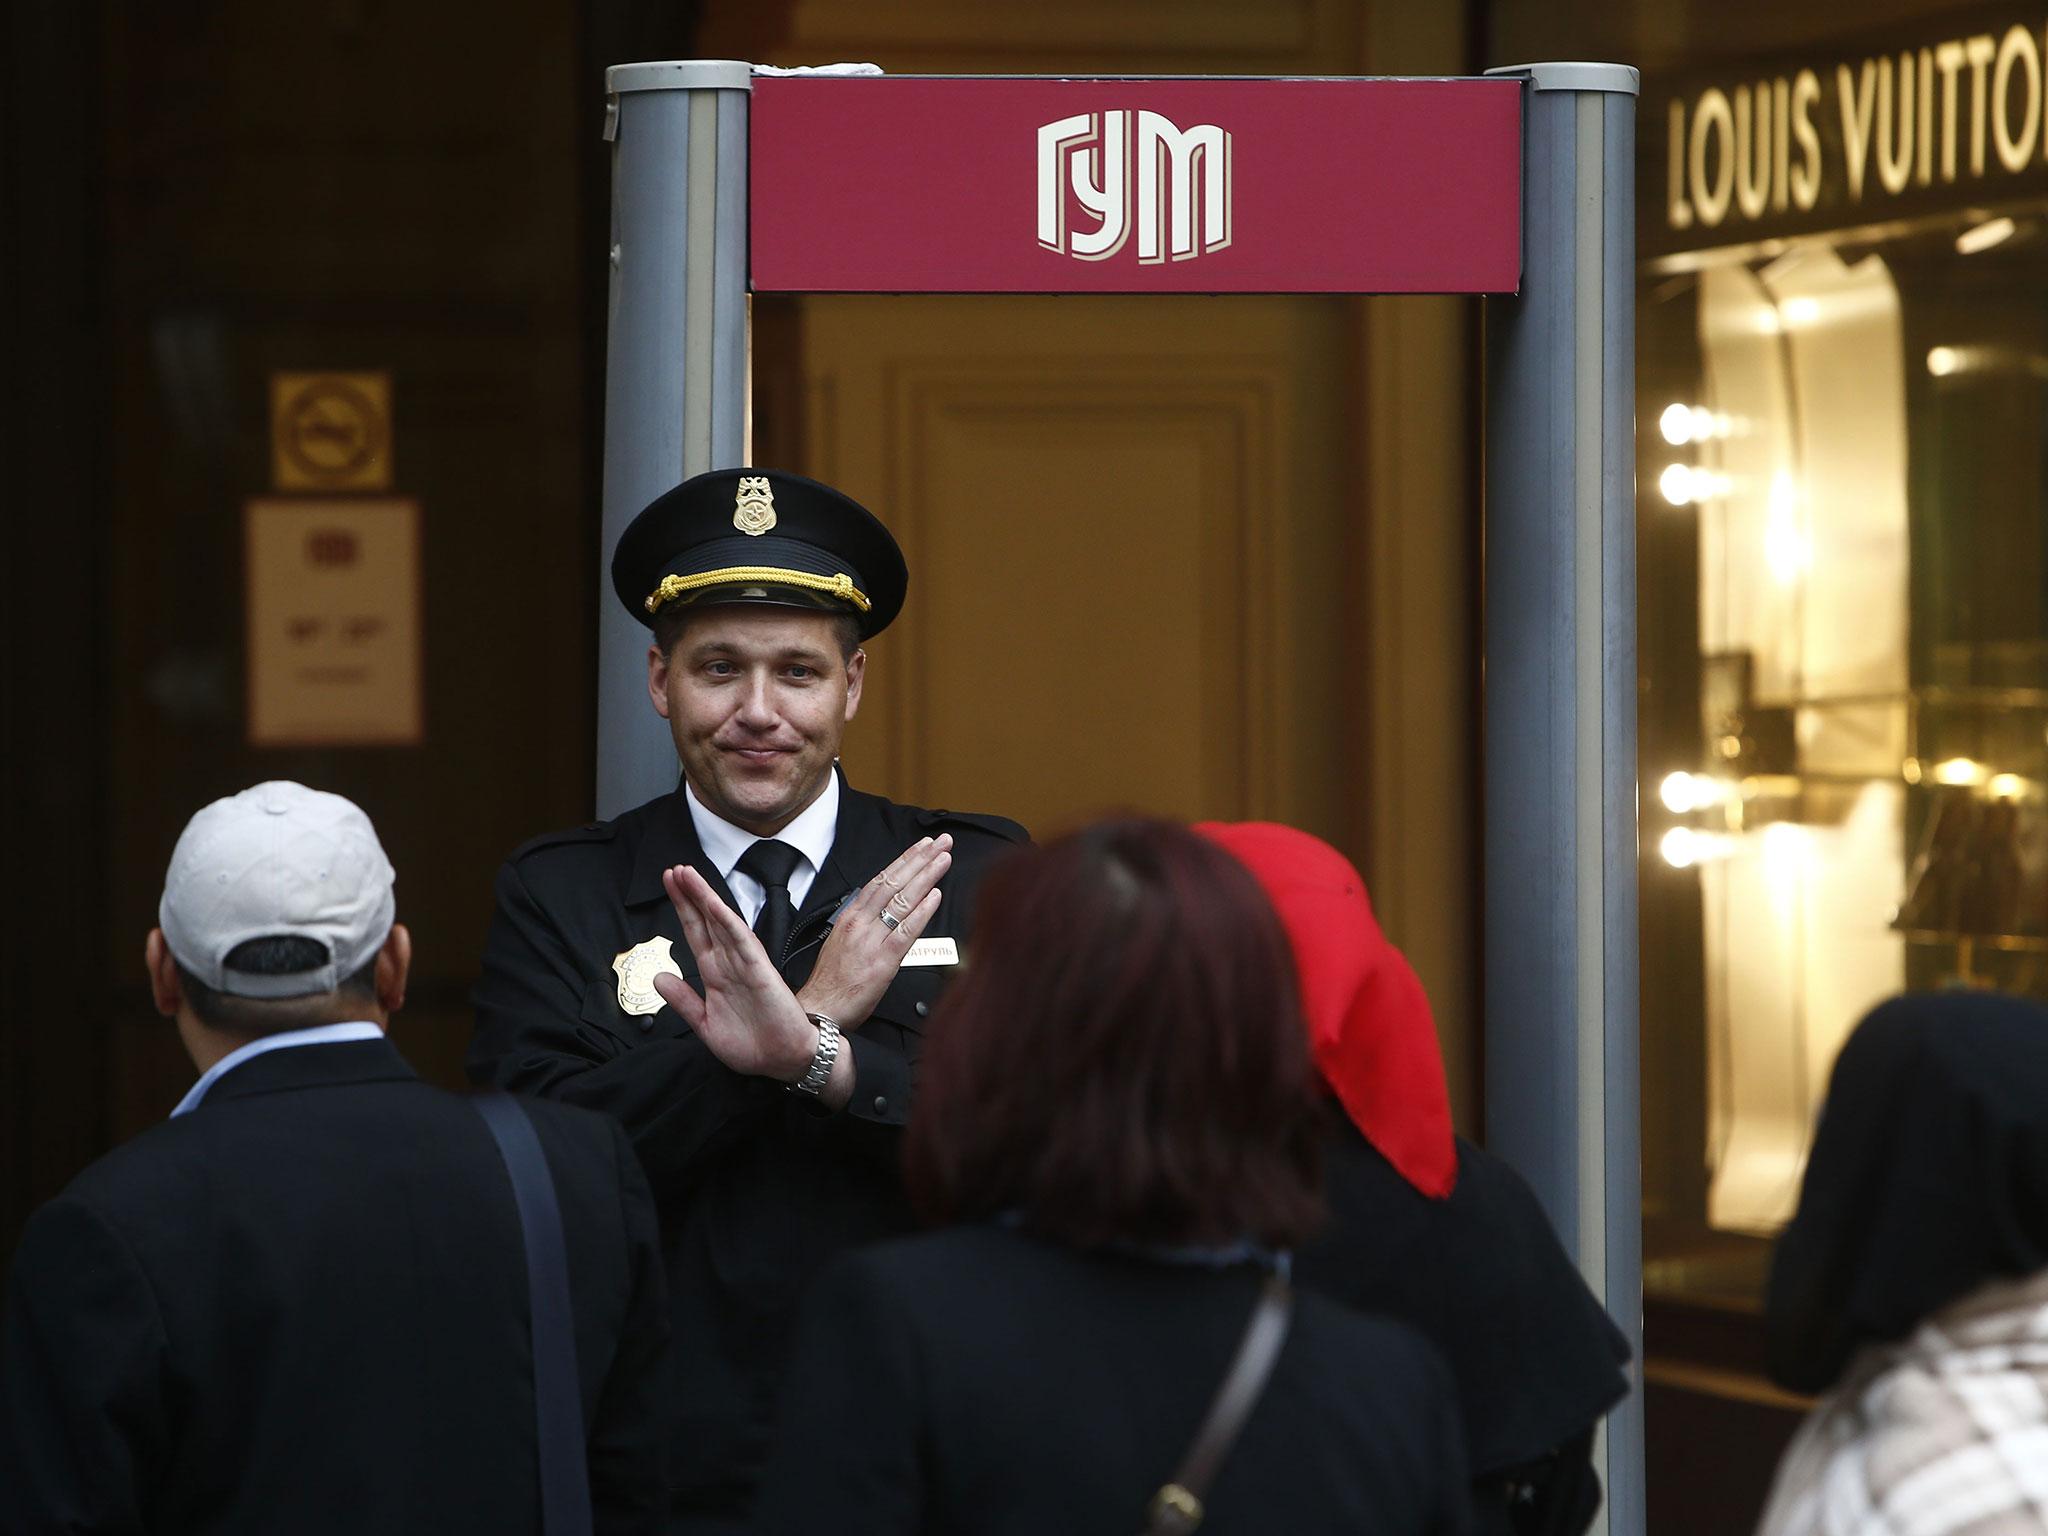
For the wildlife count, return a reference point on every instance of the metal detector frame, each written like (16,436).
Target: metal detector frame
(1561,961)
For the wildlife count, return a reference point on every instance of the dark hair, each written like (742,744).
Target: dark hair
(284,954)
(673,618)
(1124,1059)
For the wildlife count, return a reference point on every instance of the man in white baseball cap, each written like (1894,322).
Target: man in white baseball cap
(312,1300)
(277,929)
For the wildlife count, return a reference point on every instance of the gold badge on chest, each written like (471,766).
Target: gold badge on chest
(637,967)
(753,508)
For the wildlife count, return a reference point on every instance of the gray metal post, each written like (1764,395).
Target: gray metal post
(676,386)
(1562,1091)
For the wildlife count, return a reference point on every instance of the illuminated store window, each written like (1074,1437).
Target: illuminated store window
(1843,519)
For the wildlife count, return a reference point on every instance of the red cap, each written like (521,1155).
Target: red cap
(1369,1023)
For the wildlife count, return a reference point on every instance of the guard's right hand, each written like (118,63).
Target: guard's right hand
(862,954)
(747,1015)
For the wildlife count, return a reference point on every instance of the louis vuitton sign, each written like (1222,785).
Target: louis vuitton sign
(1898,126)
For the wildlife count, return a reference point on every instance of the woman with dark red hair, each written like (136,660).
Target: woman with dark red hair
(1117,1114)
(1425,1227)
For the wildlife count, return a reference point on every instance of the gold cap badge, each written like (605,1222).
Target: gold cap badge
(637,967)
(753,509)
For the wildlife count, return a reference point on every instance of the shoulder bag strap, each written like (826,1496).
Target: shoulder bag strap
(557,1395)
(1177,1508)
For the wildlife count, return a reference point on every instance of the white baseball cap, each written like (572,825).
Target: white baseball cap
(273,861)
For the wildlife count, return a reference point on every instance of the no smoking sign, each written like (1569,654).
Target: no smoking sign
(330,431)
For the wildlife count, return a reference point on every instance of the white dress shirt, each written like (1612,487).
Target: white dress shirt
(319,1034)
(810,834)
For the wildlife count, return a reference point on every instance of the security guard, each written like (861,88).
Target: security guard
(763,1076)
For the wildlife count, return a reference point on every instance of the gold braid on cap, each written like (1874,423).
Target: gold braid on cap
(840,585)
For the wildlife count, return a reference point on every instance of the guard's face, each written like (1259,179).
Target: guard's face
(757,699)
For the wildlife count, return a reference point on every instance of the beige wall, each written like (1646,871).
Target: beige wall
(1201,557)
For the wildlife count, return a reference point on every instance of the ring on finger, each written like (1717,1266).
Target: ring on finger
(891,921)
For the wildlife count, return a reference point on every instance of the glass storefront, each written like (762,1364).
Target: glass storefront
(1843,470)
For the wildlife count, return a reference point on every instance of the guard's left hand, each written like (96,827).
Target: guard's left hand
(862,954)
(747,1016)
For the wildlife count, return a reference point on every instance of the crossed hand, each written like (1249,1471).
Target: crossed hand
(748,1017)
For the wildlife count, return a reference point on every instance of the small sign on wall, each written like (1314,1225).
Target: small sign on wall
(334,621)
(330,431)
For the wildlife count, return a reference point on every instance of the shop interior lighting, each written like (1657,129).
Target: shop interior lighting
(1982,237)
(2007,786)
(1943,361)
(1960,770)
(1684,484)
(1683,793)
(1784,497)
(1681,424)
(1676,792)
(1788,856)
(1909,770)
(1802,310)
(1683,847)
(1787,550)
(1786,843)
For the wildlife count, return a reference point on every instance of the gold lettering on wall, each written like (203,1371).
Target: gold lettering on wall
(1753,151)
(1712,115)
(1926,118)
(2016,149)
(1895,148)
(1677,210)
(1962,111)
(1948,58)
(1781,149)
(1979,50)
(1857,105)
(1805,177)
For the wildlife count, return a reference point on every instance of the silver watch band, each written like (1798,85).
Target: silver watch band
(812,1083)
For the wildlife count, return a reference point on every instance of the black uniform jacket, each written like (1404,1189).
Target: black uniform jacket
(302,1307)
(981,1382)
(1483,1277)
(757,1188)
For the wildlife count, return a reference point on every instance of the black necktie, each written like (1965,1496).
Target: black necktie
(772,864)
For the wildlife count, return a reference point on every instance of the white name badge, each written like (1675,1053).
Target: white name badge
(933,952)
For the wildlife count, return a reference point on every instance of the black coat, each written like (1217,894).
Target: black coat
(302,1307)
(1483,1277)
(981,1381)
(757,1188)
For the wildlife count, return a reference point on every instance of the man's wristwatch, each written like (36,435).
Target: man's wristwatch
(812,1084)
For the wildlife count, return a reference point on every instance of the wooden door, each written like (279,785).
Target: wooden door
(1126,527)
